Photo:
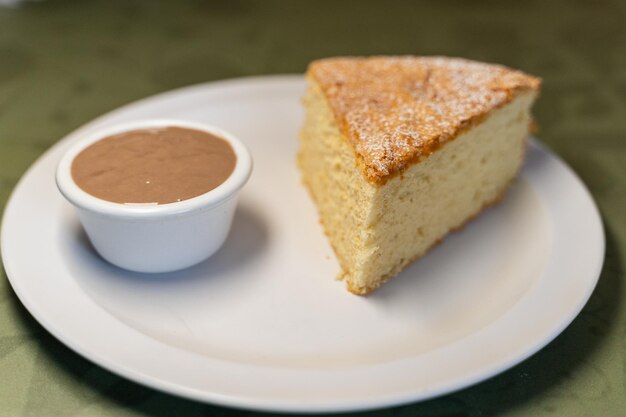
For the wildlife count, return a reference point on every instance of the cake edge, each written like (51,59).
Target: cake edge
(362,291)
(499,198)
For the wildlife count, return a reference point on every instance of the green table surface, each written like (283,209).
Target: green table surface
(63,63)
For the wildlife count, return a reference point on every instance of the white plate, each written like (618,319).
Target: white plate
(264,324)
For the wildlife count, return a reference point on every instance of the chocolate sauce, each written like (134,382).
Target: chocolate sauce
(155,165)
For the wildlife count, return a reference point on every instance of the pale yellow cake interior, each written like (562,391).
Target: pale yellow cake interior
(376,230)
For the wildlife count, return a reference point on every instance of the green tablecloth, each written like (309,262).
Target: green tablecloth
(63,63)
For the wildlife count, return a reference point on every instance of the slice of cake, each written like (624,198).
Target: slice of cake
(399,151)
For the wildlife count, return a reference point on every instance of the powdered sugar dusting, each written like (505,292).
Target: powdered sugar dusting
(396,110)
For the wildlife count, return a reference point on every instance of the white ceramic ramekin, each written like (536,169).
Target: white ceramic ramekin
(156,238)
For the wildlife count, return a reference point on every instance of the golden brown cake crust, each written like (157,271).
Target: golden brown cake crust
(397,110)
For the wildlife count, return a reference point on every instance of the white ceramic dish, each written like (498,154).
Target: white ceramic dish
(156,238)
(263,324)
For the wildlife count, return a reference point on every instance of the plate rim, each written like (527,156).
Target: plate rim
(257,404)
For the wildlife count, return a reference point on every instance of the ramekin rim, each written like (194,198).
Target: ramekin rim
(215,197)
